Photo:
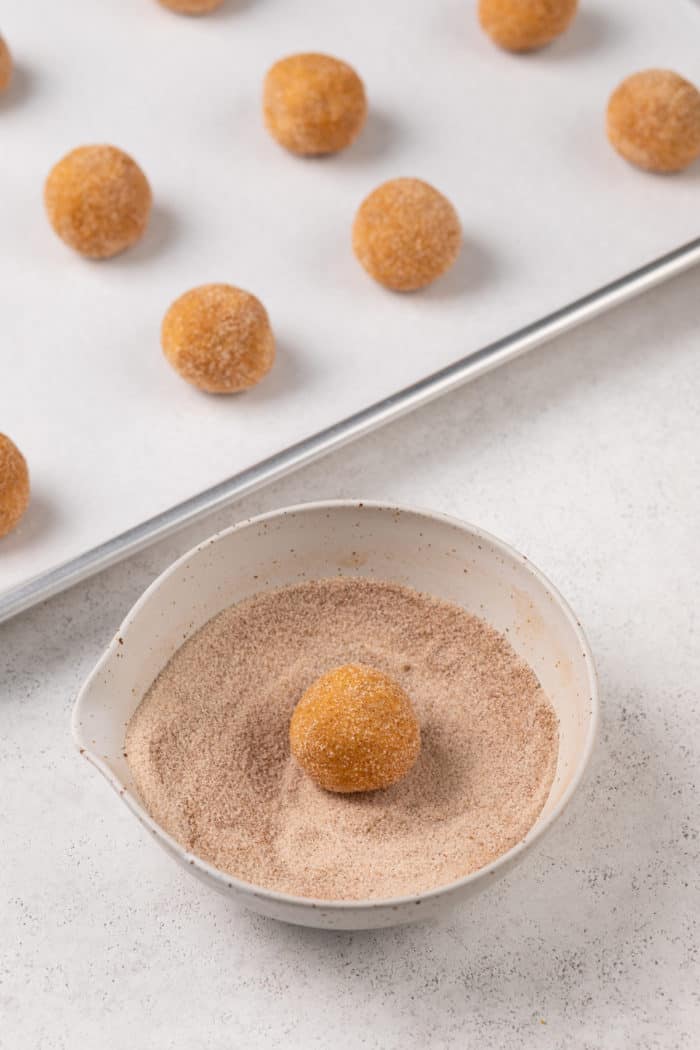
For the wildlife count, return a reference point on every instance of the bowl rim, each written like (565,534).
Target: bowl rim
(229,882)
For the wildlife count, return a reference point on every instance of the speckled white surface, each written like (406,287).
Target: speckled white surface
(586,456)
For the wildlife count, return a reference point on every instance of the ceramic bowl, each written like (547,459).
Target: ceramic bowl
(442,556)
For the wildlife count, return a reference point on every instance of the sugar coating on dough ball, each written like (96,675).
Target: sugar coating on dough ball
(653,121)
(219,338)
(406,234)
(313,104)
(355,729)
(98,200)
(525,25)
(5,65)
(192,7)
(14,485)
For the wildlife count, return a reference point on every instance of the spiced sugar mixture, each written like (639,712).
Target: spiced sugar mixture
(209,744)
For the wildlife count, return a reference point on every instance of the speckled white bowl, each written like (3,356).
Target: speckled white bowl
(430,552)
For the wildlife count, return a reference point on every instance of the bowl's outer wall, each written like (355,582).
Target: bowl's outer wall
(430,553)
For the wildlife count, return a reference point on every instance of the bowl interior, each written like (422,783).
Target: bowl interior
(443,557)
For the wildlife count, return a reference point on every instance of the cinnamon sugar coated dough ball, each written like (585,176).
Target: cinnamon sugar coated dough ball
(219,338)
(313,104)
(98,200)
(355,729)
(14,485)
(653,121)
(525,25)
(406,234)
(192,7)
(5,65)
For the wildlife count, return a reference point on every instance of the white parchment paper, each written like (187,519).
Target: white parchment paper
(111,434)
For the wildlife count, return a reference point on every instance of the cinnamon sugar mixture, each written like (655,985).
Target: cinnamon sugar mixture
(209,746)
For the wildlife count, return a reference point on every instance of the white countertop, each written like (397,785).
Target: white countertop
(586,456)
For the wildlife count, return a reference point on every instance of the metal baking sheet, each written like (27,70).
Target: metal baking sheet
(120,450)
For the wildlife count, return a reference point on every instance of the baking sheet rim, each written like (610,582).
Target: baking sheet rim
(223,494)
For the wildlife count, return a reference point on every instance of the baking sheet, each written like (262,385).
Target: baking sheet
(111,434)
